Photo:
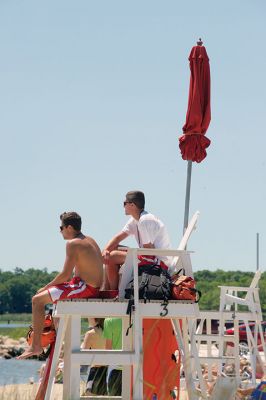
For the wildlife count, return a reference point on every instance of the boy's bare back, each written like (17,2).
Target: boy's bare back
(88,259)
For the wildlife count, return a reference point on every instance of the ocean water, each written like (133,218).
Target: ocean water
(18,371)
(14,325)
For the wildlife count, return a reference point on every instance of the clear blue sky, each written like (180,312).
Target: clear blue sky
(93,96)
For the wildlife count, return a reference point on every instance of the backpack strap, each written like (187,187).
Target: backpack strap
(198,294)
(179,272)
(130,308)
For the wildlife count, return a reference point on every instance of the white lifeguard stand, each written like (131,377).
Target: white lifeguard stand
(69,330)
(182,314)
(187,323)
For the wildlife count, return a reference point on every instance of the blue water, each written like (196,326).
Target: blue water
(18,371)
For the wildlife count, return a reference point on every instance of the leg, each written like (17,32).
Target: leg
(99,386)
(115,383)
(105,285)
(117,257)
(38,303)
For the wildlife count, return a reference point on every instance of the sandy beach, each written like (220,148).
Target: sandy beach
(28,392)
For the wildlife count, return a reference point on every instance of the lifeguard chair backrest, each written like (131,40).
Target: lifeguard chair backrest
(183,243)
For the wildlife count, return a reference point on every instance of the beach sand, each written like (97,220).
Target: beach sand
(28,392)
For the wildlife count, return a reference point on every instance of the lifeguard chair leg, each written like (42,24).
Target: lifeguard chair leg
(58,345)
(126,369)
(71,388)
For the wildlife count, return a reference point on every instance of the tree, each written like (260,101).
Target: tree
(19,295)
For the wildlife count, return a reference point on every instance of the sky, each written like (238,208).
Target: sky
(93,98)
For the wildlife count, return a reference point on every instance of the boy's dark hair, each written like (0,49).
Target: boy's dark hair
(136,197)
(71,218)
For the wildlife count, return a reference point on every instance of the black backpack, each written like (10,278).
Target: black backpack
(154,284)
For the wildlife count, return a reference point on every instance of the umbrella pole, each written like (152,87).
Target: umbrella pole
(189,170)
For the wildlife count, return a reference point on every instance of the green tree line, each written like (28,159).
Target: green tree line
(18,287)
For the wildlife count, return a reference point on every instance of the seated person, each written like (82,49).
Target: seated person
(93,338)
(83,256)
(96,381)
(148,230)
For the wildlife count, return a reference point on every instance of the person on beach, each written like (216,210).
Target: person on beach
(94,339)
(83,257)
(148,230)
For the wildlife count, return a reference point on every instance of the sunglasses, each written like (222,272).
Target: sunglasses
(62,227)
(127,202)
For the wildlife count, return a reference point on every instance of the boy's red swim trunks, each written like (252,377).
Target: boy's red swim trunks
(75,289)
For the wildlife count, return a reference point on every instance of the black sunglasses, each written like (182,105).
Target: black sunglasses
(127,202)
(62,227)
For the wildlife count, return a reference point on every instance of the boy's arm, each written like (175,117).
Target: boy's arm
(112,244)
(66,273)
(108,344)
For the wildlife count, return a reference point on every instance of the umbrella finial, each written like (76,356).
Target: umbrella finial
(200,42)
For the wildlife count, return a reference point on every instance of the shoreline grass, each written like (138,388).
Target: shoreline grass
(18,332)
(14,333)
(15,318)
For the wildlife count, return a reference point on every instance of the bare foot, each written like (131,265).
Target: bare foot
(30,352)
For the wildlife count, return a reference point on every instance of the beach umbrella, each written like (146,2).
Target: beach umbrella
(193,142)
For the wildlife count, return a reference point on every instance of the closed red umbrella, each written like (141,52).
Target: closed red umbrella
(193,142)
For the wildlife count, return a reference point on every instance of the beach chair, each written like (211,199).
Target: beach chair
(230,297)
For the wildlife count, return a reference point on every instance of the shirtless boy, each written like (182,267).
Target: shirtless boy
(83,256)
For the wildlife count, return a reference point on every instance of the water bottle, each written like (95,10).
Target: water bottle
(154,397)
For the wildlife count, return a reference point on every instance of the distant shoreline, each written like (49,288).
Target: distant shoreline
(13,325)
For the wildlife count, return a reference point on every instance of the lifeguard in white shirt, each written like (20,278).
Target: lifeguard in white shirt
(149,231)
